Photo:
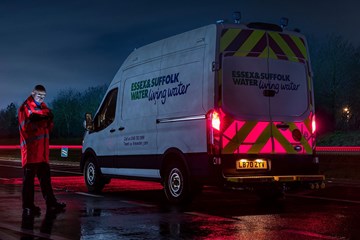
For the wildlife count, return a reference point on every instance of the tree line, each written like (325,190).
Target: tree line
(336,70)
(69,108)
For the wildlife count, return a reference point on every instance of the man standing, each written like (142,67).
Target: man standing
(35,124)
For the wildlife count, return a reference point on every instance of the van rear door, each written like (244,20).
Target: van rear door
(266,92)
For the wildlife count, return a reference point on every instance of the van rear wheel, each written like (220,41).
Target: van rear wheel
(94,182)
(176,184)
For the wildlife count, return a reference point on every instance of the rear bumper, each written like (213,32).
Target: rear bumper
(276,179)
(285,167)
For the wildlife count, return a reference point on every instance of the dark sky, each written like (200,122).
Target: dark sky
(82,43)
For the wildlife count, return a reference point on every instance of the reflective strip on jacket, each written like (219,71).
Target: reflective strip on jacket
(35,124)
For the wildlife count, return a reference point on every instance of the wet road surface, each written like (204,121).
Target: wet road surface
(138,210)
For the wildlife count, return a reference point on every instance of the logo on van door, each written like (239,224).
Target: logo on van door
(159,88)
(270,81)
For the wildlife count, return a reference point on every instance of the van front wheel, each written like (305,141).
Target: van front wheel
(93,179)
(176,184)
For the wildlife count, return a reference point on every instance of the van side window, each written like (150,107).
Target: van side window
(106,114)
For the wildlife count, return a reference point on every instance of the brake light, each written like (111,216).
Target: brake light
(313,124)
(213,131)
(215,120)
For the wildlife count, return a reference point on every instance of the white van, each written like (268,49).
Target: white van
(224,104)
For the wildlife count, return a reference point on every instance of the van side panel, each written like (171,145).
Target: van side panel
(163,93)
(181,119)
(138,114)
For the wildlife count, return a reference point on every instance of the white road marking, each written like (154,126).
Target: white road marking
(89,195)
(3,165)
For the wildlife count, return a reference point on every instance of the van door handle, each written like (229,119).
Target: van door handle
(112,130)
(282,126)
(121,128)
(269,93)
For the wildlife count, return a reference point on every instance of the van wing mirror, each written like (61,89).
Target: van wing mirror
(88,122)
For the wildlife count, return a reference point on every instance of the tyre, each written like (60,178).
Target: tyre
(93,179)
(176,184)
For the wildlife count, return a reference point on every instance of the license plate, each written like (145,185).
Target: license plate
(251,164)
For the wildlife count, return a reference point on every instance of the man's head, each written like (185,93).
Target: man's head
(39,93)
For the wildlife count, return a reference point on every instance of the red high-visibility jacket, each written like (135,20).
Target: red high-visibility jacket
(35,125)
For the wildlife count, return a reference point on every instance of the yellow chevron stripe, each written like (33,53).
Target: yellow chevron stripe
(241,54)
(283,141)
(261,141)
(239,137)
(303,141)
(264,53)
(284,46)
(300,45)
(227,38)
(250,43)
(272,54)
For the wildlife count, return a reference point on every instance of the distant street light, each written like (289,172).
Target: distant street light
(346,113)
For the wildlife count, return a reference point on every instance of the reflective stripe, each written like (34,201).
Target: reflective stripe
(228,37)
(299,42)
(285,143)
(239,137)
(23,123)
(23,143)
(31,139)
(29,108)
(254,137)
(282,49)
(256,44)
(261,141)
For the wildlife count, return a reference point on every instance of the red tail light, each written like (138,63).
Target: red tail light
(215,120)
(313,124)
(214,126)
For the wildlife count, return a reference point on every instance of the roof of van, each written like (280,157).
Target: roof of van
(188,39)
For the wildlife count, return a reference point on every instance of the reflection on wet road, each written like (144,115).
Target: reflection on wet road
(138,210)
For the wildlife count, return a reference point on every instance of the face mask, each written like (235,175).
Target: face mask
(39,96)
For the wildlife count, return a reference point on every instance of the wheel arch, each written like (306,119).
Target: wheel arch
(86,155)
(172,155)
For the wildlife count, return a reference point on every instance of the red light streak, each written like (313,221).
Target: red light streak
(318,148)
(338,149)
(66,146)
(8,147)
